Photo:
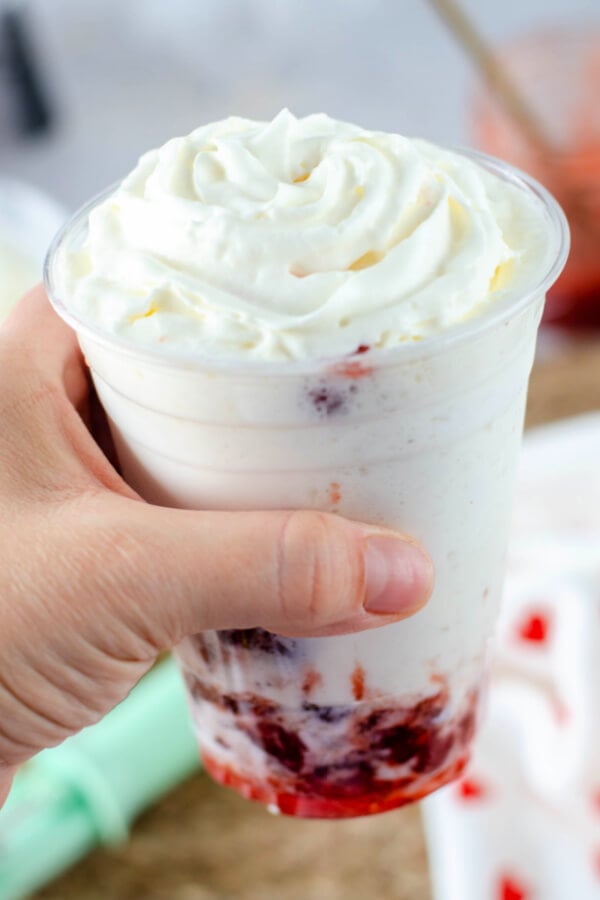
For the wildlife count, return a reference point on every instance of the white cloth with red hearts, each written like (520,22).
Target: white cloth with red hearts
(524,821)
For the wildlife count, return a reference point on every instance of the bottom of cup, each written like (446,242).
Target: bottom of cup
(333,762)
(390,796)
(374,752)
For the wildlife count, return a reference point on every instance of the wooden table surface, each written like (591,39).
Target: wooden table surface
(205,843)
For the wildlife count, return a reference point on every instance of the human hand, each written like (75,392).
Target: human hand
(94,582)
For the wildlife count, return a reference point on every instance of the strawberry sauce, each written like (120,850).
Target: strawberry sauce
(329,761)
(382,798)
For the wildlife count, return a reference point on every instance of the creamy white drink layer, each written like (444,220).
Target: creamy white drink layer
(300,238)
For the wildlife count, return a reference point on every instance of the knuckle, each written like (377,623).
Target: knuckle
(315,570)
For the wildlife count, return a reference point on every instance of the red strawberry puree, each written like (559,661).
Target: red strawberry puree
(320,761)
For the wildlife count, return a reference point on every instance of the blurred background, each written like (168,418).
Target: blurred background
(85,88)
(121,76)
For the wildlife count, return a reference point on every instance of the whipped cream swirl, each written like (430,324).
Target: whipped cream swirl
(299,238)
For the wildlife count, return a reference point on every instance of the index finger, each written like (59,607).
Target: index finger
(33,336)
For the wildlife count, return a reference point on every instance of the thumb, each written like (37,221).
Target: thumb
(177,572)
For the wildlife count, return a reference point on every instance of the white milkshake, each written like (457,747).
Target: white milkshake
(305,314)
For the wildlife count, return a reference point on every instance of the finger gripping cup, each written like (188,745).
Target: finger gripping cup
(423,438)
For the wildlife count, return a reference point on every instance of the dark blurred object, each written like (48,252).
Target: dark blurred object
(20,72)
(558,72)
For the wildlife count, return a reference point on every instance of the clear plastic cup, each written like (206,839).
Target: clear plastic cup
(423,437)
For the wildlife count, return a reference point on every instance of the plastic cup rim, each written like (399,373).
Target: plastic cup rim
(506,308)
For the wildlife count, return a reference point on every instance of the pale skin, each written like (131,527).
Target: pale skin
(94,582)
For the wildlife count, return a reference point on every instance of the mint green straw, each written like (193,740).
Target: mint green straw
(88,790)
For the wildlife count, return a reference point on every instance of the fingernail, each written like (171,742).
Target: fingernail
(398,575)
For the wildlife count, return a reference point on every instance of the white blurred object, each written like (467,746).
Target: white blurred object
(524,822)
(28,221)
